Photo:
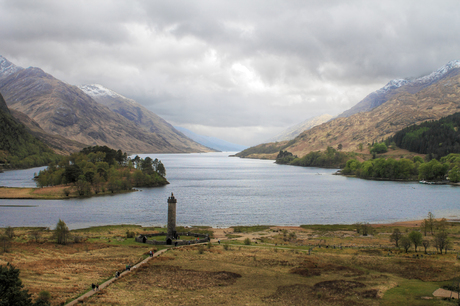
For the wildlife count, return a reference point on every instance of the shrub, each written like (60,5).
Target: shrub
(9,232)
(36,235)
(200,249)
(130,234)
(44,296)
(5,243)
(77,239)
(247,241)
(226,246)
(66,191)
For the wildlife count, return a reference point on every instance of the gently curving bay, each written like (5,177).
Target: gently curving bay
(216,190)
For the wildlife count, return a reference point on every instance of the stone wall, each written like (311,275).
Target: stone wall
(201,238)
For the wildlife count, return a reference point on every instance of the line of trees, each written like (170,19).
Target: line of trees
(330,158)
(438,230)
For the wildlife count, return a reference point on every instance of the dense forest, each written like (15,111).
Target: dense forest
(434,138)
(331,158)
(101,169)
(19,148)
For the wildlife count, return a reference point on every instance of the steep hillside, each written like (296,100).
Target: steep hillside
(19,148)
(437,100)
(211,142)
(295,130)
(63,109)
(141,116)
(57,143)
(436,138)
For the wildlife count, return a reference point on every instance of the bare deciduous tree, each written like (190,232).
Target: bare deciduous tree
(426,244)
(396,236)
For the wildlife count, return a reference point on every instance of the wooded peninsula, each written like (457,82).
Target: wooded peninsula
(93,171)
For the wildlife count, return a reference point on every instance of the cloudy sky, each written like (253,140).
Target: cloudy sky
(238,70)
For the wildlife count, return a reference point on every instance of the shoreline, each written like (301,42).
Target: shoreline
(47,193)
(407,223)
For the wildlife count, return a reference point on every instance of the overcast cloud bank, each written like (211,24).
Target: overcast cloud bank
(241,71)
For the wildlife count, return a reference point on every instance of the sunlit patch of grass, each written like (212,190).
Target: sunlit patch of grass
(250,229)
(411,292)
(16,193)
(329,227)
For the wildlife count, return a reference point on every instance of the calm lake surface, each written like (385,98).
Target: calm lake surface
(217,190)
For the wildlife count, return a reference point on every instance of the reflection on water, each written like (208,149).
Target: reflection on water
(19,178)
(217,190)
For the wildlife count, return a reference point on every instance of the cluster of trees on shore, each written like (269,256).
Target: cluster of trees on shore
(406,169)
(437,229)
(100,169)
(434,138)
(331,158)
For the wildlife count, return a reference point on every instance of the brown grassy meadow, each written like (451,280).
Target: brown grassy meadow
(275,269)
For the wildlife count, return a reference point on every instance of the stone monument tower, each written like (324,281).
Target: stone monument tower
(172,217)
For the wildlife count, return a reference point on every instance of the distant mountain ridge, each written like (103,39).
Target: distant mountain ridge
(212,142)
(411,102)
(139,115)
(396,86)
(294,131)
(66,110)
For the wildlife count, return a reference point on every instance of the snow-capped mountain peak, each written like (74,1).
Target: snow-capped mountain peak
(7,68)
(434,76)
(393,84)
(96,90)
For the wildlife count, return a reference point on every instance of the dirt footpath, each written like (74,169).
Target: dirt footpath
(443,293)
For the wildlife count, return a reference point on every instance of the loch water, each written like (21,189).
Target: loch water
(220,191)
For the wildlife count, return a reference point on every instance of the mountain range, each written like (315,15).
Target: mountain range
(88,114)
(396,86)
(402,102)
(211,142)
(293,131)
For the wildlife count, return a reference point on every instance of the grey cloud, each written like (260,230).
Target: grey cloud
(232,64)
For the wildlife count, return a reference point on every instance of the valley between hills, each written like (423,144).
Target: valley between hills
(55,110)
(359,264)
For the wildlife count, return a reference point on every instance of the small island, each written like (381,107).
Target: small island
(94,170)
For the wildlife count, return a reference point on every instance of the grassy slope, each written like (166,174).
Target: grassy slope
(275,269)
